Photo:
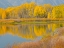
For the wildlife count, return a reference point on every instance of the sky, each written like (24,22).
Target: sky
(6,3)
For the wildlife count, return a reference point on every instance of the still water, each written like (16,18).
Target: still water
(10,34)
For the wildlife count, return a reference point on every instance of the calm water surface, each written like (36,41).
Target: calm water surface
(10,34)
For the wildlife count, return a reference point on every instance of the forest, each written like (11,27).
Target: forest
(32,10)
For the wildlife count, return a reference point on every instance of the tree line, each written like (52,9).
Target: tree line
(32,10)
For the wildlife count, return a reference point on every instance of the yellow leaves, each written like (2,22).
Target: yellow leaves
(9,9)
(3,15)
(48,7)
(53,13)
(32,5)
(1,11)
(49,15)
(58,11)
(39,11)
(30,13)
(25,6)
(29,10)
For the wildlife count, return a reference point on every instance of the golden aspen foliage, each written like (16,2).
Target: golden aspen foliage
(39,11)
(49,15)
(25,10)
(12,12)
(62,10)
(1,11)
(9,12)
(4,14)
(48,7)
(26,6)
(32,10)
(9,9)
(58,11)
(32,5)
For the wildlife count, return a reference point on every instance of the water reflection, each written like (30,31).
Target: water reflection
(29,31)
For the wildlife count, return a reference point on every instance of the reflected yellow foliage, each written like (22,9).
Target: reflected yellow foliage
(39,30)
(2,30)
(54,26)
(29,31)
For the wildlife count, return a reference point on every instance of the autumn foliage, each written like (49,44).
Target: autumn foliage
(32,10)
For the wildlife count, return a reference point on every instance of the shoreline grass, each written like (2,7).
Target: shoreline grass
(32,22)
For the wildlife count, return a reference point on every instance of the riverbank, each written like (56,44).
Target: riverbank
(31,21)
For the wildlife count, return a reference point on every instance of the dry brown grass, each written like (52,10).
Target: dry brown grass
(59,31)
(37,44)
(54,42)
